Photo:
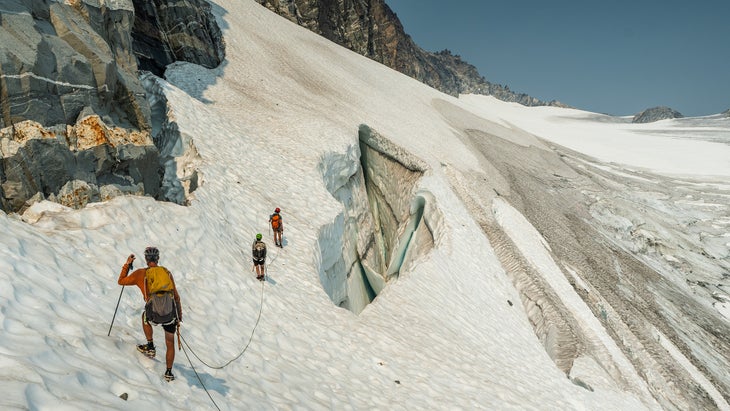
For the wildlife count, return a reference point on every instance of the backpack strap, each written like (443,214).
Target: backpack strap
(145,295)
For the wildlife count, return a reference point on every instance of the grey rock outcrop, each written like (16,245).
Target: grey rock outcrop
(655,114)
(74,165)
(371,28)
(57,59)
(75,120)
(166,31)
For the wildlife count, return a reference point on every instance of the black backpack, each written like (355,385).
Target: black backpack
(259,250)
(160,308)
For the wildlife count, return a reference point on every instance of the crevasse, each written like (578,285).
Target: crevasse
(386,224)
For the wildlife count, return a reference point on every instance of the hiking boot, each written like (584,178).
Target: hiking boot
(147,349)
(168,375)
(260,277)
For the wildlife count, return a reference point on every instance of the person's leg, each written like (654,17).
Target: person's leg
(170,348)
(147,328)
(148,348)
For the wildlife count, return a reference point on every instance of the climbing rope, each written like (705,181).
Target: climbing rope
(273,259)
(200,379)
(261,306)
(258,319)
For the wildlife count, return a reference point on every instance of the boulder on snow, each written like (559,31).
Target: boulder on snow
(655,114)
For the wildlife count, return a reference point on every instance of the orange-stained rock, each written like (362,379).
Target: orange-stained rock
(88,132)
(26,130)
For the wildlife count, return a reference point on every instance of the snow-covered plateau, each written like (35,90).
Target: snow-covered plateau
(439,252)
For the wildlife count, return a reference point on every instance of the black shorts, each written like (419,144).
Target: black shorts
(170,328)
(258,262)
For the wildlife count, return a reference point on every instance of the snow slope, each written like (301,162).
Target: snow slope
(445,335)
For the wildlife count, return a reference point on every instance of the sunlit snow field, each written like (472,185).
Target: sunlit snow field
(445,335)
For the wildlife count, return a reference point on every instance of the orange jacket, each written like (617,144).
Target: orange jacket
(136,278)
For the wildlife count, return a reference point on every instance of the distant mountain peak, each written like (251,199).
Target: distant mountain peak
(653,114)
(372,29)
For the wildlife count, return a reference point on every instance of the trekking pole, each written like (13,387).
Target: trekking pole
(179,344)
(117,307)
(115,313)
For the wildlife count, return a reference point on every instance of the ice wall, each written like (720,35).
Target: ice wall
(385,224)
(179,158)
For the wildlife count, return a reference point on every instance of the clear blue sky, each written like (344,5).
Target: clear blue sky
(617,57)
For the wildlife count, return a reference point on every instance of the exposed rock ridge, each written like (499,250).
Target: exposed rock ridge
(371,28)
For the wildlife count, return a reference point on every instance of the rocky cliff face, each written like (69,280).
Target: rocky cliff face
(58,59)
(66,64)
(370,27)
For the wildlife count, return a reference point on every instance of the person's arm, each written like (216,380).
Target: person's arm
(124,277)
